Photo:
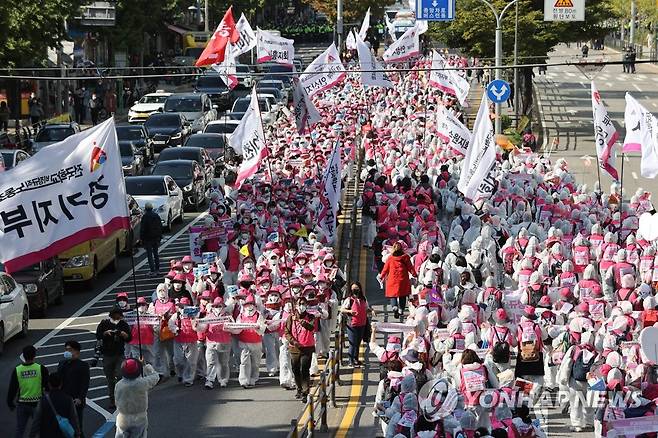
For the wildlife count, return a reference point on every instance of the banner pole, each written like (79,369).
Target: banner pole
(598,173)
(262,130)
(621,185)
(139,330)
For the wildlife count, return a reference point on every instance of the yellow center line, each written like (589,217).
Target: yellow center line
(357,374)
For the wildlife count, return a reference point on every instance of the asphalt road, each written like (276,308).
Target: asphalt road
(566,105)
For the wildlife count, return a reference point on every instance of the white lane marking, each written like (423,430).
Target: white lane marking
(583,84)
(59,353)
(608,84)
(71,335)
(637,88)
(634,175)
(643,77)
(654,104)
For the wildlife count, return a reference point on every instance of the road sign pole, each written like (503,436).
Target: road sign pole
(515,86)
(499,63)
(339,25)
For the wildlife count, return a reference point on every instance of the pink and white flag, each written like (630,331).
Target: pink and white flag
(305,112)
(323,73)
(405,47)
(605,134)
(227,70)
(248,140)
(448,81)
(452,131)
(272,48)
(372,73)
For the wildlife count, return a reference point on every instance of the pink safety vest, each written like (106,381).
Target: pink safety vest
(646,263)
(360,307)
(250,336)
(233,259)
(304,336)
(581,257)
(145,333)
(586,288)
(186,334)
(216,333)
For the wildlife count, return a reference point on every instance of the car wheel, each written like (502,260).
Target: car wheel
(25,323)
(168,226)
(114,266)
(60,296)
(2,338)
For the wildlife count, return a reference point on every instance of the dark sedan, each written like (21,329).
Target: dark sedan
(43,283)
(138,137)
(213,144)
(189,176)
(166,129)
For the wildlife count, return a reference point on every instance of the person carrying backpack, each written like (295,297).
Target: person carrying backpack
(577,363)
(501,340)
(530,337)
(472,377)
(55,415)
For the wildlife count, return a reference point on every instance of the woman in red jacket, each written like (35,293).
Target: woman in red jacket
(396,271)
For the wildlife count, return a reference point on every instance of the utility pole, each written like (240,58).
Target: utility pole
(516,59)
(205,18)
(339,25)
(632,32)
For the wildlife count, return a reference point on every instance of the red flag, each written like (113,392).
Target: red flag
(225,32)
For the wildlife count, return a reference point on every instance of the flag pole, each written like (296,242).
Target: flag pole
(598,173)
(139,330)
(621,185)
(262,131)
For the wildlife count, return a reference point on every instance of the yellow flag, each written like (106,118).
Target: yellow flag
(245,251)
(301,232)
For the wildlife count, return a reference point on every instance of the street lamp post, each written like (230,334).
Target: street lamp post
(339,25)
(206,27)
(499,50)
(632,30)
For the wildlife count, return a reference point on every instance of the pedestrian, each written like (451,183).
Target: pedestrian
(150,234)
(141,345)
(396,272)
(585,50)
(356,307)
(36,112)
(75,378)
(113,333)
(632,58)
(185,343)
(218,345)
(251,342)
(53,408)
(27,383)
(94,108)
(510,100)
(132,399)
(4,116)
(79,105)
(163,348)
(299,332)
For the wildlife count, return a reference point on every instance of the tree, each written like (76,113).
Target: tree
(353,11)
(29,27)
(473,32)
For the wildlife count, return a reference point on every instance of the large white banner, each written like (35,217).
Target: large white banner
(647,138)
(480,155)
(331,182)
(371,72)
(448,81)
(227,69)
(350,41)
(564,10)
(406,47)
(452,131)
(605,134)
(248,140)
(273,48)
(68,193)
(632,120)
(306,114)
(324,72)
(247,39)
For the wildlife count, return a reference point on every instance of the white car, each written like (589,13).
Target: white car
(162,192)
(221,126)
(14,309)
(147,105)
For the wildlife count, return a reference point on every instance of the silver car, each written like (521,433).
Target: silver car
(50,134)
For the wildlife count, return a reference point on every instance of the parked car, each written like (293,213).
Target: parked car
(85,261)
(136,214)
(161,191)
(196,107)
(138,137)
(197,154)
(275,107)
(190,178)
(50,134)
(132,161)
(277,83)
(222,126)
(167,130)
(214,87)
(240,108)
(43,283)
(12,157)
(14,310)
(147,105)
(213,144)
(278,95)
(279,72)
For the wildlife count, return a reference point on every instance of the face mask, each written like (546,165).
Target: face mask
(287,307)
(122,304)
(187,268)
(114,321)
(142,309)
(177,286)
(249,266)
(328,264)
(301,308)
(249,311)
(68,355)
(214,277)
(355,291)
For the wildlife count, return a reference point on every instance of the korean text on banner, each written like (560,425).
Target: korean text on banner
(72,192)
(324,72)
(452,131)
(632,120)
(605,134)
(564,10)
(405,47)
(272,48)
(247,39)
(305,112)
(648,139)
(226,32)
(371,72)
(480,155)
(249,139)
(331,182)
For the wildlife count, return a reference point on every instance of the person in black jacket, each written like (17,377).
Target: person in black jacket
(45,423)
(150,235)
(75,378)
(113,333)
(27,384)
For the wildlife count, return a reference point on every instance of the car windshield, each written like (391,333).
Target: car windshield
(153,99)
(160,120)
(145,186)
(178,154)
(174,170)
(221,128)
(183,104)
(273,91)
(241,69)
(241,105)
(202,141)
(8,159)
(54,134)
(210,82)
(126,150)
(129,133)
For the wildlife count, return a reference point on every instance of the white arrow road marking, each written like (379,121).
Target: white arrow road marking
(634,175)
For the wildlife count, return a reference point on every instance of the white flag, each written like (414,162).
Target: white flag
(71,192)
(480,156)
(248,140)
(274,48)
(452,131)
(390,27)
(227,70)
(632,118)
(306,114)
(331,182)
(408,46)
(646,134)
(324,72)
(448,81)
(350,41)
(363,32)
(605,134)
(247,39)
(371,72)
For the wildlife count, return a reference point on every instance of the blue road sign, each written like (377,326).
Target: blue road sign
(498,91)
(435,10)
